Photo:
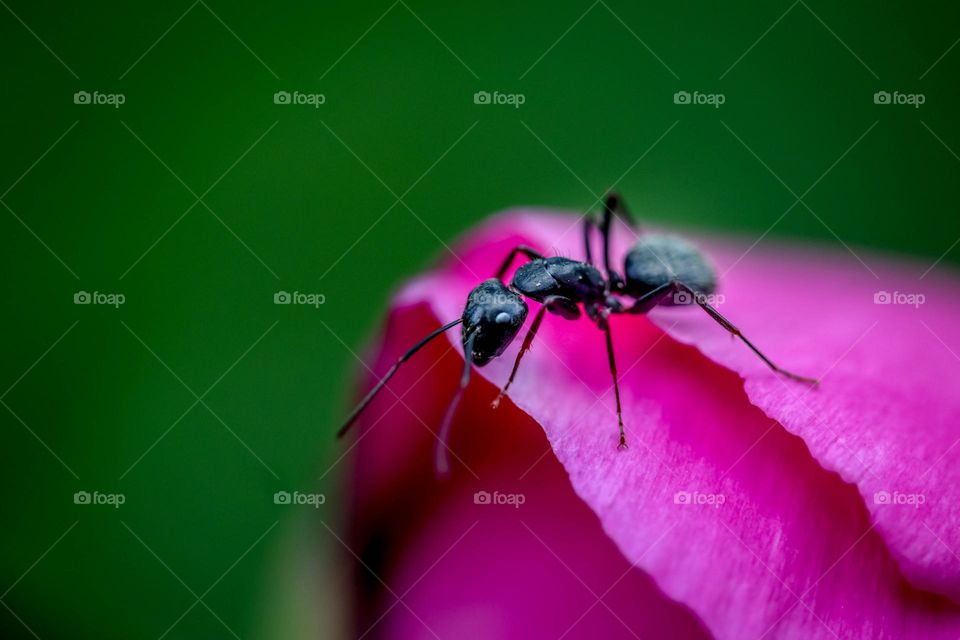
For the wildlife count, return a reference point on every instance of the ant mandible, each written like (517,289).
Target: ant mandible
(659,269)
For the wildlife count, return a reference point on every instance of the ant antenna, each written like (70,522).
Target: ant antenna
(383,381)
(442,459)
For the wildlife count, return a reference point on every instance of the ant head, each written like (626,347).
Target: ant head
(494,315)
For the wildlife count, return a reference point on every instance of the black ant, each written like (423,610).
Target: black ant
(658,270)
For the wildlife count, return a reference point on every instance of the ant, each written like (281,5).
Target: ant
(659,270)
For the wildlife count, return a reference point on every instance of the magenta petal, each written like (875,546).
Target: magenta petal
(447,566)
(791,550)
(502,580)
(887,414)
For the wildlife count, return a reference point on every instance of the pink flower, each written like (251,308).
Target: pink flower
(747,505)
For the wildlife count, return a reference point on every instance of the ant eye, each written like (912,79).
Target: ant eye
(502,318)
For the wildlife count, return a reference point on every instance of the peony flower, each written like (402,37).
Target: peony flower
(746,506)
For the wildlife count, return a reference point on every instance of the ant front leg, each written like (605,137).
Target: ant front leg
(729,326)
(555,304)
(529,252)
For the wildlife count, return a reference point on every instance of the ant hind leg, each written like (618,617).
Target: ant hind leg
(729,326)
(652,298)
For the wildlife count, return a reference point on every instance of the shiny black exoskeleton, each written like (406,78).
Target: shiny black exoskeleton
(658,269)
(491,319)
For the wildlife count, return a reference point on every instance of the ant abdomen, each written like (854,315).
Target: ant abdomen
(658,259)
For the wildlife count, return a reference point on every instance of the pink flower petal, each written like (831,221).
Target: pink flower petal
(541,568)
(791,551)
(887,415)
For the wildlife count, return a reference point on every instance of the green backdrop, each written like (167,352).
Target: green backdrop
(200,197)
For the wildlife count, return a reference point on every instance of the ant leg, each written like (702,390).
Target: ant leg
(557,304)
(530,252)
(616,384)
(612,206)
(729,326)
(651,299)
(527,341)
(441,459)
(386,378)
(588,225)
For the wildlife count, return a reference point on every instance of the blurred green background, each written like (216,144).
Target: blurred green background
(199,398)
